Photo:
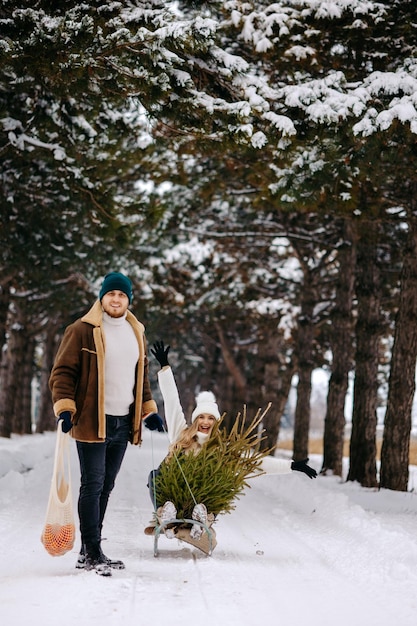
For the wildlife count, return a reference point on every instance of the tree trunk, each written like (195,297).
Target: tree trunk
(341,343)
(5,426)
(45,416)
(12,384)
(276,385)
(305,366)
(229,360)
(302,413)
(365,397)
(22,412)
(396,440)
(4,310)
(6,416)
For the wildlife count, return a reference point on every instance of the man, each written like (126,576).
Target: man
(101,393)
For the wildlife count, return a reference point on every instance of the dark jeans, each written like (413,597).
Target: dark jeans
(99,465)
(152,491)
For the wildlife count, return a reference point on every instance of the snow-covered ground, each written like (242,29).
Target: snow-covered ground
(295,551)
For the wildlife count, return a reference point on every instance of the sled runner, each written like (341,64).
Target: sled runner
(181,529)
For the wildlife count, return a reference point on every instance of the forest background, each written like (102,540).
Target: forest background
(252,167)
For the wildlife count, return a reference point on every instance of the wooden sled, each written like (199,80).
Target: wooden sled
(182,531)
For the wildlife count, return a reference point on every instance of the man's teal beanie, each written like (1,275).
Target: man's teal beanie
(116,281)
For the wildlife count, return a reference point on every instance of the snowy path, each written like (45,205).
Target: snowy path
(298,551)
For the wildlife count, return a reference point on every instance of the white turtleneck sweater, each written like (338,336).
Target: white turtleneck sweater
(121,357)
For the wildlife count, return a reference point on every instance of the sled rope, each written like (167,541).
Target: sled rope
(185,478)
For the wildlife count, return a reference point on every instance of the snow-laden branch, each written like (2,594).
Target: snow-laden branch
(403,106)
(22,140)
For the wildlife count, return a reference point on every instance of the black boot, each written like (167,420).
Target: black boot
(113,563)
(95,559)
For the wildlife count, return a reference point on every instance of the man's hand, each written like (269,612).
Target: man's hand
(66,421)
(154,422)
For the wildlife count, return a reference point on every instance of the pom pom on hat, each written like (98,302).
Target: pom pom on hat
(116,281)
(206,403)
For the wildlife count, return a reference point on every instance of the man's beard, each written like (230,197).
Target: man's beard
(115,314)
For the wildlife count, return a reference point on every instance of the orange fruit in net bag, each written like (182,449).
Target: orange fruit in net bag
(58,539)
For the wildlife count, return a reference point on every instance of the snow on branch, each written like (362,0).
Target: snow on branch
(403,107)
(22,141)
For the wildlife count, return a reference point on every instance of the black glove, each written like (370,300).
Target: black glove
(301,466)
(154,422)
(66,422)
(160,353)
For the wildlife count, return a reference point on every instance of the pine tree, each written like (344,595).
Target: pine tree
(218,474)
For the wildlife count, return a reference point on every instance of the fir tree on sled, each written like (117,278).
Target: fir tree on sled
(206,469)
(196,488)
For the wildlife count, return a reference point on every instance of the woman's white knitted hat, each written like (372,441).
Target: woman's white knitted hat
(206,403)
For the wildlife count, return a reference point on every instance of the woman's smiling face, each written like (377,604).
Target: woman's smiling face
(205,423)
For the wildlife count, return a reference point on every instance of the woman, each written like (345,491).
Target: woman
(183,438)
(191,439)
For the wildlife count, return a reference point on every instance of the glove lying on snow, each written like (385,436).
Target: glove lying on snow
(66,422)
(154,422)
(301,466)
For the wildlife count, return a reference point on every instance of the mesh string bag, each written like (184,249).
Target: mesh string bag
(58,534)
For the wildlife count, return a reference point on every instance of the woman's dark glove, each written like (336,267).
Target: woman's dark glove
(160,353)
(301,466)
(66,422)
(154,422)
